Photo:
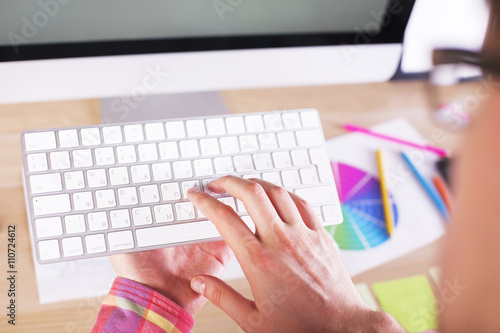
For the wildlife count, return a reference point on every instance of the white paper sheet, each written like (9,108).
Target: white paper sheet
(419,223)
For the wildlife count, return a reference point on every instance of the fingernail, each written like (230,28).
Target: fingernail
(198,285)
(193,190)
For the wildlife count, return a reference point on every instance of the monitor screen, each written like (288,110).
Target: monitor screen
(44,29)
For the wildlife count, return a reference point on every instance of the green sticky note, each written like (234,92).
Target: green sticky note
(365,292)
(410,300)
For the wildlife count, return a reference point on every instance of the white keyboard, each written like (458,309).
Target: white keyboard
(99,190)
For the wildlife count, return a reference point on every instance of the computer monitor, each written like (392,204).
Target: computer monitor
(62,49)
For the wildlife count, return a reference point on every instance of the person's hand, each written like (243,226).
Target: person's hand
(170,270)
(298,281)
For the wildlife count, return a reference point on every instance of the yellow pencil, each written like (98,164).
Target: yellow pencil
(385,194)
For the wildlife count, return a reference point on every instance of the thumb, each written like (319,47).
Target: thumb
(234,304)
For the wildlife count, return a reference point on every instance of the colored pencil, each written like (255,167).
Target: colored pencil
(431,191)
(443,191)
(385,194)
(436,150)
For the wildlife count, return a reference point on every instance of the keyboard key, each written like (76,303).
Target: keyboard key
(263,161)
(51,204)
(50,182)
(310,138)
(203,167)
(290,178)
(40,141)
(273,122)
(215,126)
(175,130)
(104,156)
(309,176)
(48,227)
(235,125)
(310,118)
(229,145)
(318,195)
(154,131)
(82,158)
(83,201)
(240,207)
(223,165)
(90,136)
(185,186)
(74,224)
(325,172)
(195,128)
(170,191)
(254,123)
(149,194)
(140,174)
(300,157)
(59,160)
(126,154)
(120,240)
(97,178)
(105,198)
(37,162)
(49,249)
(147,152)
(162,171)
(209,147)
(189,148)
(272,177)
(133,133)
(127,196)
(182,169)
(177,233)
(248,143)
(168,150)
(120,218)
(332,213)
(286,140)
(74,180)
(267,141)
(118,176)
(243,163)
(112,134)
(97,221)
(142,216)
(163,213)
(281,160)
(68,138)
(184,211)
(291,120)
(72,246)
(95,243)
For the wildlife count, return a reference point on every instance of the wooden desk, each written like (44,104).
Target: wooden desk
(365,105)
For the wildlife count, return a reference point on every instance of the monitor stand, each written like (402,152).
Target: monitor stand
(166,106)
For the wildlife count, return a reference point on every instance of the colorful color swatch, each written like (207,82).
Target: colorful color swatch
(364,224)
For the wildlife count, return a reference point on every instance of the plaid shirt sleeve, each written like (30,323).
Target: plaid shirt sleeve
(133,307)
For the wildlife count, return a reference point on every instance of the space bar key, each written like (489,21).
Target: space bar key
(176,233)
